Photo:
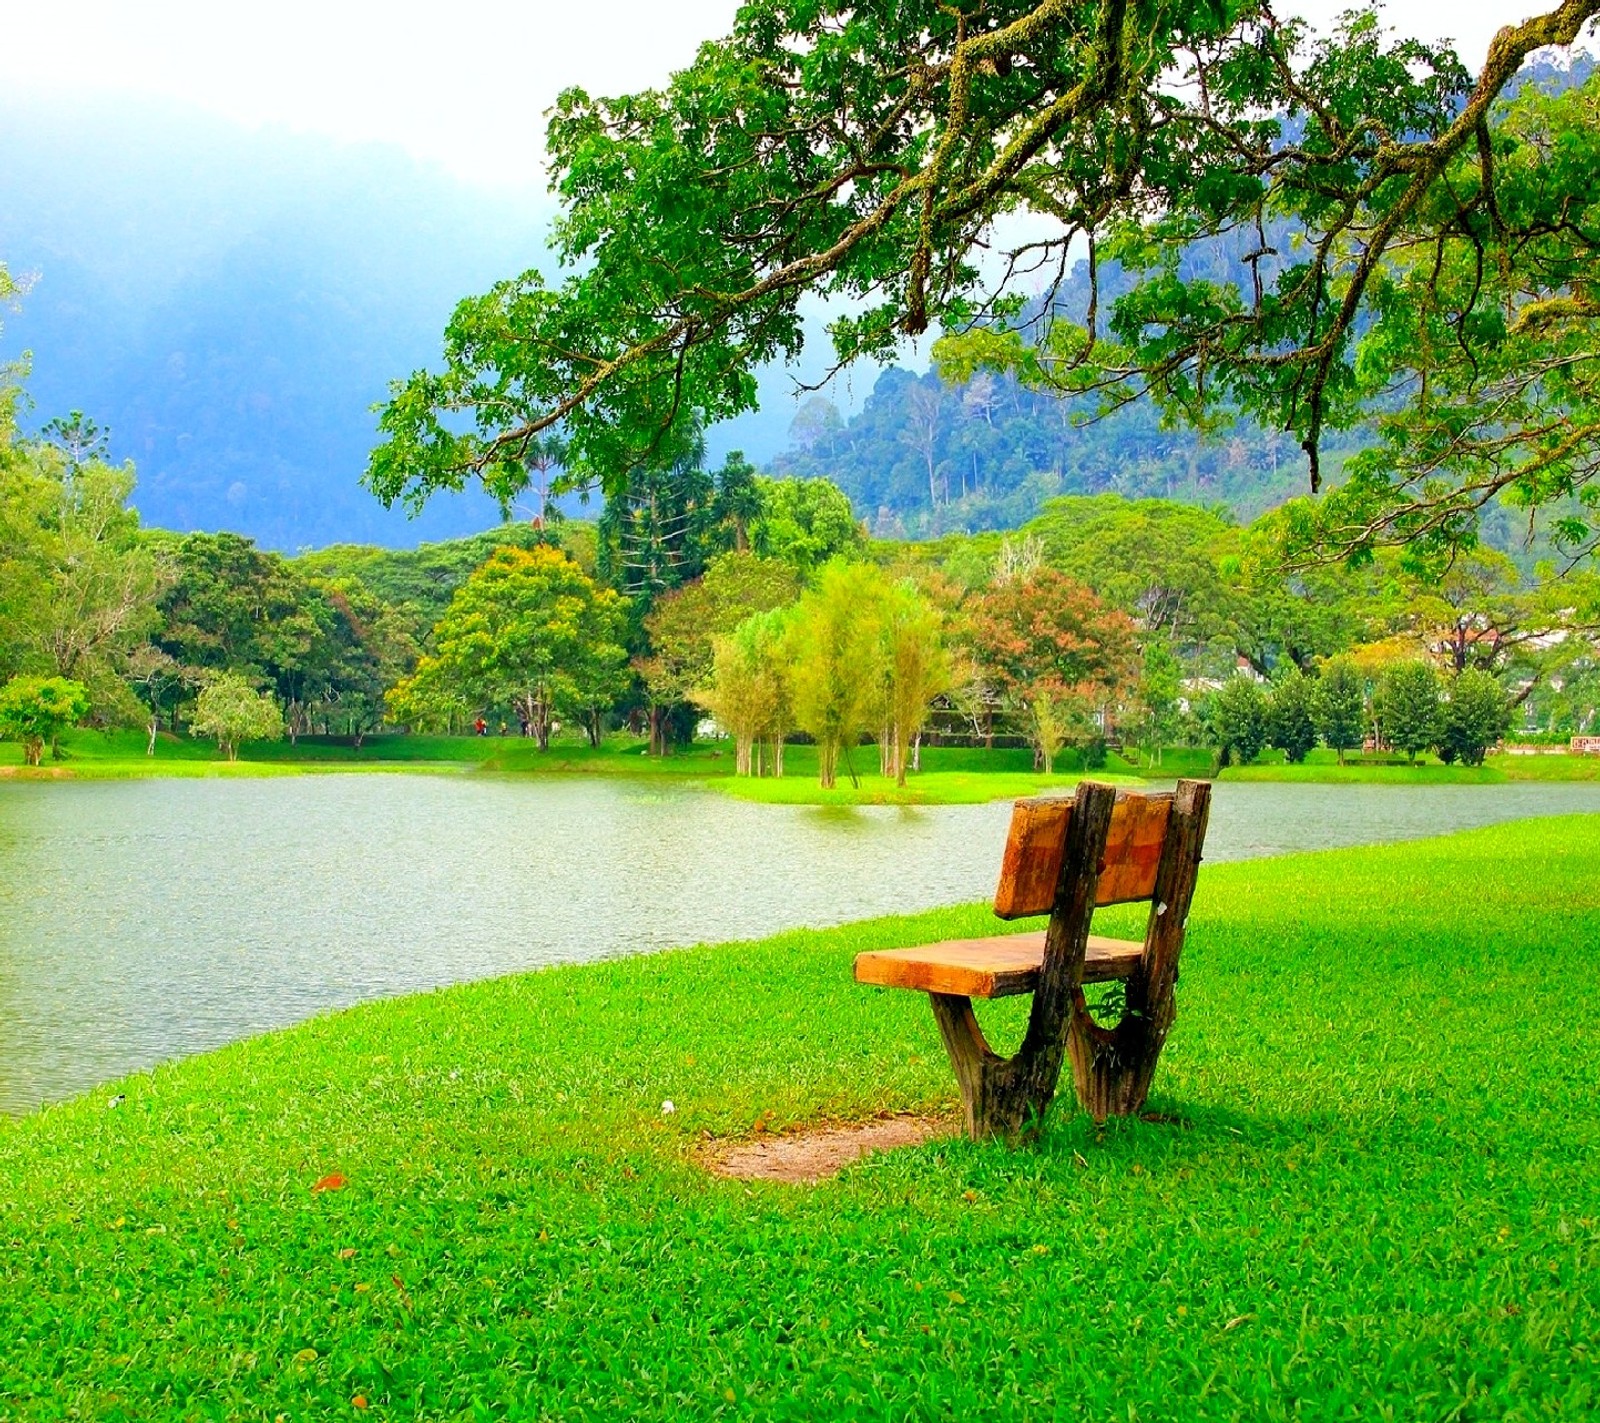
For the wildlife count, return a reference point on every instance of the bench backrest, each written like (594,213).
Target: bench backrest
(1038,838)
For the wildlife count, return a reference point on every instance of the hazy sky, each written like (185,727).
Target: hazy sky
(462,83)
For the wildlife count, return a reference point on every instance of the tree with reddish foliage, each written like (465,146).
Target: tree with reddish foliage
(1054,653)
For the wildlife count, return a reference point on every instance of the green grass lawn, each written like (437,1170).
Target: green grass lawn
(1325,770)
(1378,1199)
(1558,767)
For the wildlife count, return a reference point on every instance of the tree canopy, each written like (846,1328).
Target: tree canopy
(877,153)
(529,628)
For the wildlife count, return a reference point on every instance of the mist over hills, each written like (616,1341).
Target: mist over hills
(231,303)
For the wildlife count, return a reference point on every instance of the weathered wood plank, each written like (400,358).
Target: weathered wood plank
(1032,862)
(997,967)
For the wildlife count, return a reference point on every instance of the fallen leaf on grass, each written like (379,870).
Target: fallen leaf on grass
(333,1182)
(1237,1320)
(306,1356)
(359,1401)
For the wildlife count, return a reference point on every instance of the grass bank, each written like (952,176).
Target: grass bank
(950,775)
(1322,766)
(1378,1200)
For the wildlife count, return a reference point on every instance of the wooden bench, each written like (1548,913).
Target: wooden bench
(1065,856)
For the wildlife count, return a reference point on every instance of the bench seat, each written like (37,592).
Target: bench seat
(996,967)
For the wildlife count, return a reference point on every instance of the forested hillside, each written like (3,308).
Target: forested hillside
(925,457)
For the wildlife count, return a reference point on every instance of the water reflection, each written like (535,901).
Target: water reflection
(144,920)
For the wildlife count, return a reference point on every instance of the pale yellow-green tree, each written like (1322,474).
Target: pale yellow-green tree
(769,637)
(916,668)
(748,692)
(835,662)
(78,583)
(230,709)
(1052,717)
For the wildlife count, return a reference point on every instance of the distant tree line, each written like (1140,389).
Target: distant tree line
(1404,707)
(762,604)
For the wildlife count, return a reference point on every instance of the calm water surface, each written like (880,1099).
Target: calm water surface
(144,920)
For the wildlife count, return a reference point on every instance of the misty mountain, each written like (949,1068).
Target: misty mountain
(231,303)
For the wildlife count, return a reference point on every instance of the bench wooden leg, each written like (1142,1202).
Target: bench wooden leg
(970,1055)
(1111,1067)
(1000,1096)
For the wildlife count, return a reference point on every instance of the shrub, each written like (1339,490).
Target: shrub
(1407,703)
(1290,724)
(1340,706)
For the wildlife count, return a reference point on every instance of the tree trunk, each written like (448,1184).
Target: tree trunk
(153,727)
(827,763)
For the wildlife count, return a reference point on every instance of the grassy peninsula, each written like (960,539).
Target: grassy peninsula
(1376,1196)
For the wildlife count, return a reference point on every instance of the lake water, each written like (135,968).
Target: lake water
(145,920)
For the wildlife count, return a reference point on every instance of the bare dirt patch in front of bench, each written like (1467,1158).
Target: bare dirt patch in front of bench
(817,1152)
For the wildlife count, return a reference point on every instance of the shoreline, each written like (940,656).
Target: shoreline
(952,775)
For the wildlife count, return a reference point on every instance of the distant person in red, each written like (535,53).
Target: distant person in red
(480,727)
